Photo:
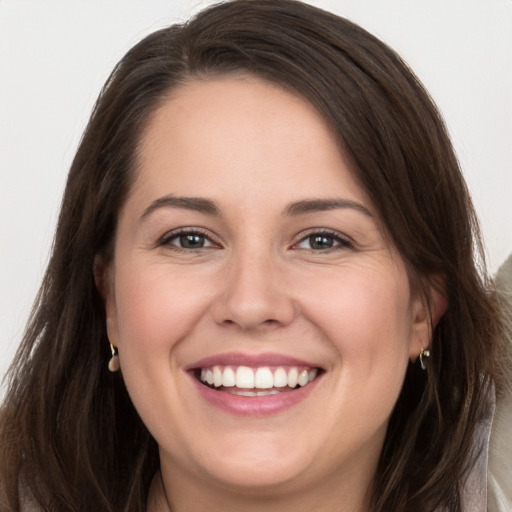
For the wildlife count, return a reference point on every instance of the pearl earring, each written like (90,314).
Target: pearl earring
(425,353)
(113,364)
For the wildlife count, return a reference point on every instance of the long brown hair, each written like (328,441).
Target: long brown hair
(70,437)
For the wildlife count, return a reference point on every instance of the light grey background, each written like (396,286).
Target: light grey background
(55,56)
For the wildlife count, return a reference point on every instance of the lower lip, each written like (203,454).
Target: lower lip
(254,405)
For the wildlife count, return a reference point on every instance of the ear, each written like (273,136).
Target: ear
(104,280)
(439,304)
(100,275)
(427,311)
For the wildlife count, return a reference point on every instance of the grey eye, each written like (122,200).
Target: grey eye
(320,242)
(188,240)
(191,241)
(323,242)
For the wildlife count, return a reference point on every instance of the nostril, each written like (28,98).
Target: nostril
(251,307)
(270,323)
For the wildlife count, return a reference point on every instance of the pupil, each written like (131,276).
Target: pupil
(192,241)
(321,242)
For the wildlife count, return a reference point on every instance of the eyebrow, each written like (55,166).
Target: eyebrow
(197,204)
(322,205)
(208,207)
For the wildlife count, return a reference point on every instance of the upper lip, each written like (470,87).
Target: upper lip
(250,360)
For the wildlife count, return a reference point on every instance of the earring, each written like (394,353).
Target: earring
(425,353)
(113,364)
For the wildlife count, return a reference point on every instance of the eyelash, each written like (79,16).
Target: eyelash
(168,238)
(339,242)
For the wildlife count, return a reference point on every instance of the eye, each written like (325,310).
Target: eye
(187,240)
(323,241)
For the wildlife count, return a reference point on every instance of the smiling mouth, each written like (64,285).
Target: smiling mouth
(253,382)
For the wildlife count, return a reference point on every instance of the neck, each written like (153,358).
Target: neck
(157,498)
(168,495)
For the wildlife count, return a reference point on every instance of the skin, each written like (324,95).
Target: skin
(257,286)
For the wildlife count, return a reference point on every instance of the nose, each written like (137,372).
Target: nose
(256,294)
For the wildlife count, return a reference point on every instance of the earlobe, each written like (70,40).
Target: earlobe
(104,284)
(427,312)
(421,330)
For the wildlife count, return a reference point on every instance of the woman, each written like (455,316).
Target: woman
(266,238)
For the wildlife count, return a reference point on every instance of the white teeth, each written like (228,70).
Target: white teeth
(246,392)
(245,378)
(263,379)
(268,392)
(217,377)
(280,378)
(293,377)
(228,378)
(303,378)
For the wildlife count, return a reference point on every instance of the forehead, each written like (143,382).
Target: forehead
(240,139)
(235,130)
(234,111)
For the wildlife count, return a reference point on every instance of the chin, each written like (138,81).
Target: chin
(264,464)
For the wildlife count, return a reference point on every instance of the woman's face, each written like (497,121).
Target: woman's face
(249,261)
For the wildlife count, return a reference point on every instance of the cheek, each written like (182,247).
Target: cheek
(155,309)
(366,318)
(360,311)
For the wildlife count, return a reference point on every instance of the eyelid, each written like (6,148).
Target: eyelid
(344,240)
(165,240)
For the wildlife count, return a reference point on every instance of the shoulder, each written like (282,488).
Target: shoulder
(27,504)
(500,445)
